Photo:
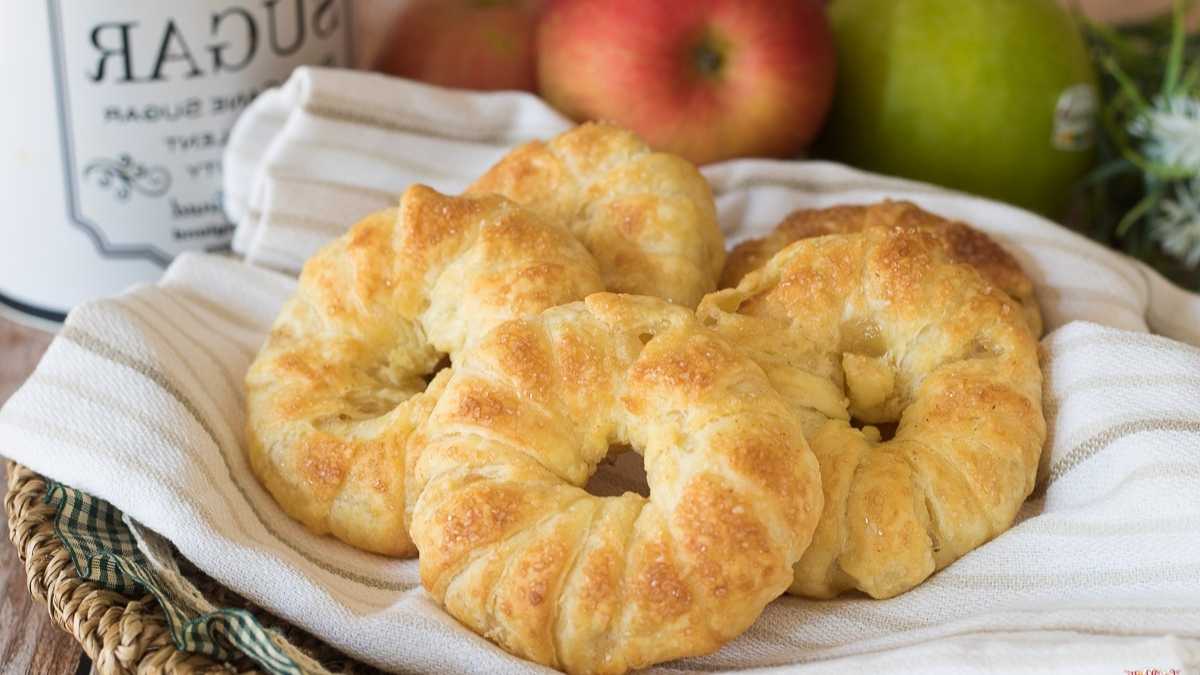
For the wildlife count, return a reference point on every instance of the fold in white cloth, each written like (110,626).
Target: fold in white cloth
(139,402)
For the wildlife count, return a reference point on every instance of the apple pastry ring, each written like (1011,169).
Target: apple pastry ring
(647,217)
(963,243)
(337,388)
(884,326)
(514,547)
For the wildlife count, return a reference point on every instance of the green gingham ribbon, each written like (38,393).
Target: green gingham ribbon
(105,551)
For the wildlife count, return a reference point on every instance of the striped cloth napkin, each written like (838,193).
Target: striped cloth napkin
(139,403)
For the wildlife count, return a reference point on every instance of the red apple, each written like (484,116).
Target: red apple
(466,44)
(705,79)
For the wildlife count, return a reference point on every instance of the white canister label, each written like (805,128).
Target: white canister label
(126,108)
(147,95)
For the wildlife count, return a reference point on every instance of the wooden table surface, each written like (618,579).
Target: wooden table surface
(29,641)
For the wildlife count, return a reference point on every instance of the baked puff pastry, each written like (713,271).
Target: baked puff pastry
(334,393)
(648,217)
(962,242)
(340,383)
(516,549)
(887,327)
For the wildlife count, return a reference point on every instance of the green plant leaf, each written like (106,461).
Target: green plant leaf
(1138,211)
(1175,55)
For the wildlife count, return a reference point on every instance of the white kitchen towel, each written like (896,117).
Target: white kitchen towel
(139,402)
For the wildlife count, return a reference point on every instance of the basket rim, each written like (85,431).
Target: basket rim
(119,633)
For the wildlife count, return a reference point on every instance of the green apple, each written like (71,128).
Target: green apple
(995,97)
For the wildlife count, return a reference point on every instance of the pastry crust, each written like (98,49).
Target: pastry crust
(887,326)
(647,217)
(963,243)
(515,548)
(337,388)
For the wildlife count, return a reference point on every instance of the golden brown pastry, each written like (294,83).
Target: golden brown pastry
(647,217)
(514,547)
(338,387)
(336,390)
(962,242)
(883,327)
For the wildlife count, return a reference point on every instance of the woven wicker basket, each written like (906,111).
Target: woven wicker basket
(120,633)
